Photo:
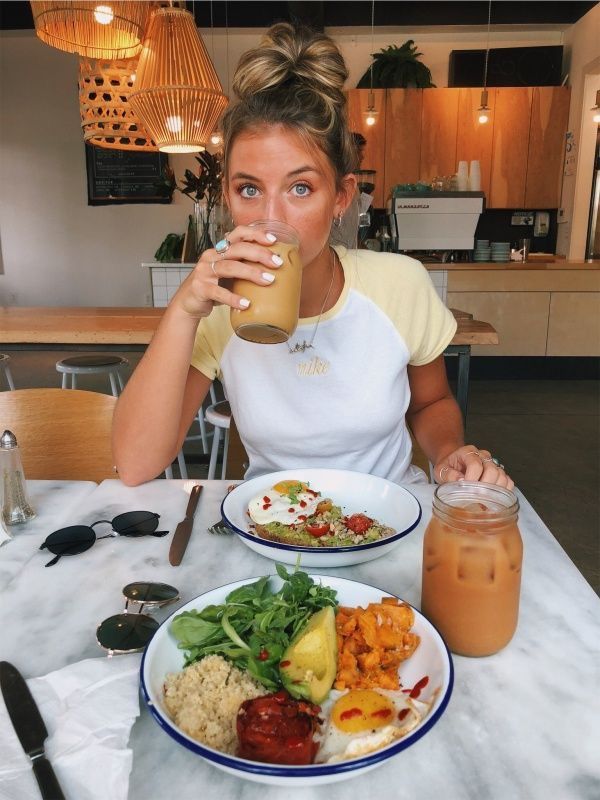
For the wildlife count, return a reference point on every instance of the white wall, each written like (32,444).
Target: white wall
(582,62)
(56,250)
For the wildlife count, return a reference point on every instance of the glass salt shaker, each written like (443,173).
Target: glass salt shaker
(16,507)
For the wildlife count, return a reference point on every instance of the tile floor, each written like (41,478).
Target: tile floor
(546,432)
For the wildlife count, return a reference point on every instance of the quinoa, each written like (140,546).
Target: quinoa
(203,700)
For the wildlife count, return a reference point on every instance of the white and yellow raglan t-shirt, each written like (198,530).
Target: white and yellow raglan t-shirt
(342,403)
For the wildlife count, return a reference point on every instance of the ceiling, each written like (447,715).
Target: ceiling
(15,15)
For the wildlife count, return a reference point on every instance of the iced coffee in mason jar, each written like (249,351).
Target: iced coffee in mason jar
(472,556)
(272,316)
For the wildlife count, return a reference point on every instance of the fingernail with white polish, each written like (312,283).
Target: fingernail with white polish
(271,237)
(244,303)
(278,260)
(268,276)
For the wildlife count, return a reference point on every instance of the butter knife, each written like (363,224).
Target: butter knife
(183,531)
(29,727)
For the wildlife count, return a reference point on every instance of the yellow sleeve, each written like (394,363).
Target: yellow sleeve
(212,336)
(403,290)
(432,325)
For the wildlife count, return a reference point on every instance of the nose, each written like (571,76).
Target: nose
(274,207)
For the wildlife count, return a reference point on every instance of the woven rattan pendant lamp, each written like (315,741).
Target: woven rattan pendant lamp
(108,29)
(177,93)
(107,118)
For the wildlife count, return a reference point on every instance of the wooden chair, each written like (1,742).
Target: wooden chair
(62,435)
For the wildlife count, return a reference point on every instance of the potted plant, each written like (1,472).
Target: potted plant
(397,67)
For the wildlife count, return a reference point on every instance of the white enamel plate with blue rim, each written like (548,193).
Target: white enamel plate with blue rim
(390,504)
(430,659)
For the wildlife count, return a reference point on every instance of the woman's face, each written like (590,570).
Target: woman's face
(272,174)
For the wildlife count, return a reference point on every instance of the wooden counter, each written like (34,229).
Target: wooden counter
(61,328)
(517,266)
(78,326)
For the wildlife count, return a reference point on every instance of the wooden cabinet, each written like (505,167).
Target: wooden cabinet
(574,324)
(545,155)
(439,120)
(402,137)
(537,312)
(510,138)
(421,133)
(374,151)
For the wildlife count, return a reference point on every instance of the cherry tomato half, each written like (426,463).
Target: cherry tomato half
(318,529)
(359,523)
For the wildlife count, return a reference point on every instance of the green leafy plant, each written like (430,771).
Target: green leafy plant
(397,67)
(171,248)
(254,626)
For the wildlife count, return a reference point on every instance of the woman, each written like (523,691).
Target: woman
(367,356)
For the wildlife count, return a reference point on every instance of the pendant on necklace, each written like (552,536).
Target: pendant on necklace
(300,348)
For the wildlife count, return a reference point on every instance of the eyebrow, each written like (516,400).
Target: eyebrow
(246,176)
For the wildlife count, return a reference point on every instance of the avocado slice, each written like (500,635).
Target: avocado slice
(309,664)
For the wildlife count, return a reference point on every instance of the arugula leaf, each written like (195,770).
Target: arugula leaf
(254,626)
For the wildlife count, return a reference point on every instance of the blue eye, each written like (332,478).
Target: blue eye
(248,190)
(302,189)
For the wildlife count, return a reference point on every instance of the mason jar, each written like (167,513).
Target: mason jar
(472,557)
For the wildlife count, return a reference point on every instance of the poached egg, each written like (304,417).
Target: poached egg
(288,502)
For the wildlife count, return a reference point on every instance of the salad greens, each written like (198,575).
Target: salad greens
(254,626)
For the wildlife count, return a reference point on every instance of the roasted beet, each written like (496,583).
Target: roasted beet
(276,729)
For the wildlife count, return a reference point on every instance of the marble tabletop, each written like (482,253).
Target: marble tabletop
(523,723)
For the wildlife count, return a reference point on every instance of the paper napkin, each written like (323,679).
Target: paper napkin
(89,709)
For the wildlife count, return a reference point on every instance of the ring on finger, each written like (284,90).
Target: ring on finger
(494,461)
(214,271)
(223,246)
(443,470)
(473,453)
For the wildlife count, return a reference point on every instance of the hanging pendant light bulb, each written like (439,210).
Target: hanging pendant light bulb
(177,93)
(109,30)
(484,111)
(371,114)
(596,108)
(371,117)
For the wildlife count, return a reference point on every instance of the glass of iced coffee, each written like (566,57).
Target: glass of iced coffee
(472,556)
(273,313)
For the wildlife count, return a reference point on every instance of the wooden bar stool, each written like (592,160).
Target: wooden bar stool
(4,359)
(92,365)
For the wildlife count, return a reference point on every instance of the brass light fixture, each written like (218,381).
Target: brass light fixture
(483,112)
(372,112)
(110,29)
(107,118)
(177,93)
(596,108)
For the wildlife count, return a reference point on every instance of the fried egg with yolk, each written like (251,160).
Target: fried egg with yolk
(360,721)
(288,502)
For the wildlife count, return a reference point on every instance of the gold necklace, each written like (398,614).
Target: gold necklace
(301,347)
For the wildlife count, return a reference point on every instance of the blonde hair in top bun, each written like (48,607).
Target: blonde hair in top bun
(294,78)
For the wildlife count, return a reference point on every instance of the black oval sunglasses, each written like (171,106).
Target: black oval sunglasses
(78,538)
(130,632)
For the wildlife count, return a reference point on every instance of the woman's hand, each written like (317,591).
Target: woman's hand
(245,256)
(472,464)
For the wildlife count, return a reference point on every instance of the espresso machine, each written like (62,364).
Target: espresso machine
(434,226)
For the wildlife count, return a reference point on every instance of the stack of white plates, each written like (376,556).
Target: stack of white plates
(482,250)
(500,251)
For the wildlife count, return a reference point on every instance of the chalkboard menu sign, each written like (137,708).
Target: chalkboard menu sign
(124,176)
